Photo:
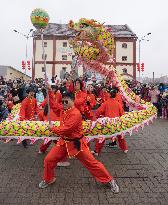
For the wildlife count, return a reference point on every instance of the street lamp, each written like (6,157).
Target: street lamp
(143,38)
(27,38)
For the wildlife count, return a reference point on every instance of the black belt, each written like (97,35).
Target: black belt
(77,143)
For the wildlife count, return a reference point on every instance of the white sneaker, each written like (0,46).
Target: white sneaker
(94,153)
(125,151)
(63,164)
(43,184)
(114,186)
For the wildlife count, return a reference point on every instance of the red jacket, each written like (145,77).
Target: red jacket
(28,109)
(88,112)
(111,108)
(70,124)
(119,98)
(80,100)
(53,116)
(70,128)
(55,100)
(70,86)
(104,96)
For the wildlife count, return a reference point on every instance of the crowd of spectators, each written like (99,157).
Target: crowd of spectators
(13,92)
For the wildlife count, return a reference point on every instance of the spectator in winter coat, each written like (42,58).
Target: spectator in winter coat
(3,110)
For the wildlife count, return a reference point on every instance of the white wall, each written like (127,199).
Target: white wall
(124,52)
(58,68)
(48,50)
(40,74)
(128,67)
(60,50)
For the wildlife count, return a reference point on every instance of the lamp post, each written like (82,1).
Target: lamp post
(27,38)
(140,40)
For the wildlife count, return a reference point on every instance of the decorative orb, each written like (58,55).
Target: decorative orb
(39,18)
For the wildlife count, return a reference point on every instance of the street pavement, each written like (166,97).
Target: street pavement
(142,174)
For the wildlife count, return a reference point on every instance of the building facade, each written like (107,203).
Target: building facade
(59,56)
(9,72)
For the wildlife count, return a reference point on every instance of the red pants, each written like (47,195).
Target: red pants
(121,142)
(58,153)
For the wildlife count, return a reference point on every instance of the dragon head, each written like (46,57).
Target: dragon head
(93,42)
(83,24)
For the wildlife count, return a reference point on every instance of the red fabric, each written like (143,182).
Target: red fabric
(70,86)
(55,100)
(53,116)
(104,96)
(119,98)
(43,103)
(9,105)
(70,124)
(80,100)
(44,147)
(99,146)
(70,127)
(111,108)
(122,143)
(58,153)
(28,109)
(88,112)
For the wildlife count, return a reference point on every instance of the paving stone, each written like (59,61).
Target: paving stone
(142,174)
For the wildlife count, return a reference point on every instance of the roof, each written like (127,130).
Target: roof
(122,31)
(63,30)
(57,30)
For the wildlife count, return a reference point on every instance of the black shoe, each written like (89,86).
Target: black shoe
(112,144)
(24,143)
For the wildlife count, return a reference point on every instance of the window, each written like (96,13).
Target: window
(45,44)
(64,44)
(43,69)
(45,57)
(124,45)
(124,58)
(124,71)
(64,68)
(64,57)
(73,56)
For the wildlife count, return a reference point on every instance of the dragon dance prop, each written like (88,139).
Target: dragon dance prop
(94,45)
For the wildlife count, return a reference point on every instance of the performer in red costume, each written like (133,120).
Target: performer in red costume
(73,144)
(90,103)
(120,100)
(43,116)
(118,96)
(111,108)
(55,100)
(70,85)
(28,109)
(80,97)
(104,95)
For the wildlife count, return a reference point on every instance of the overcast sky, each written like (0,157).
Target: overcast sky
(142,16)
